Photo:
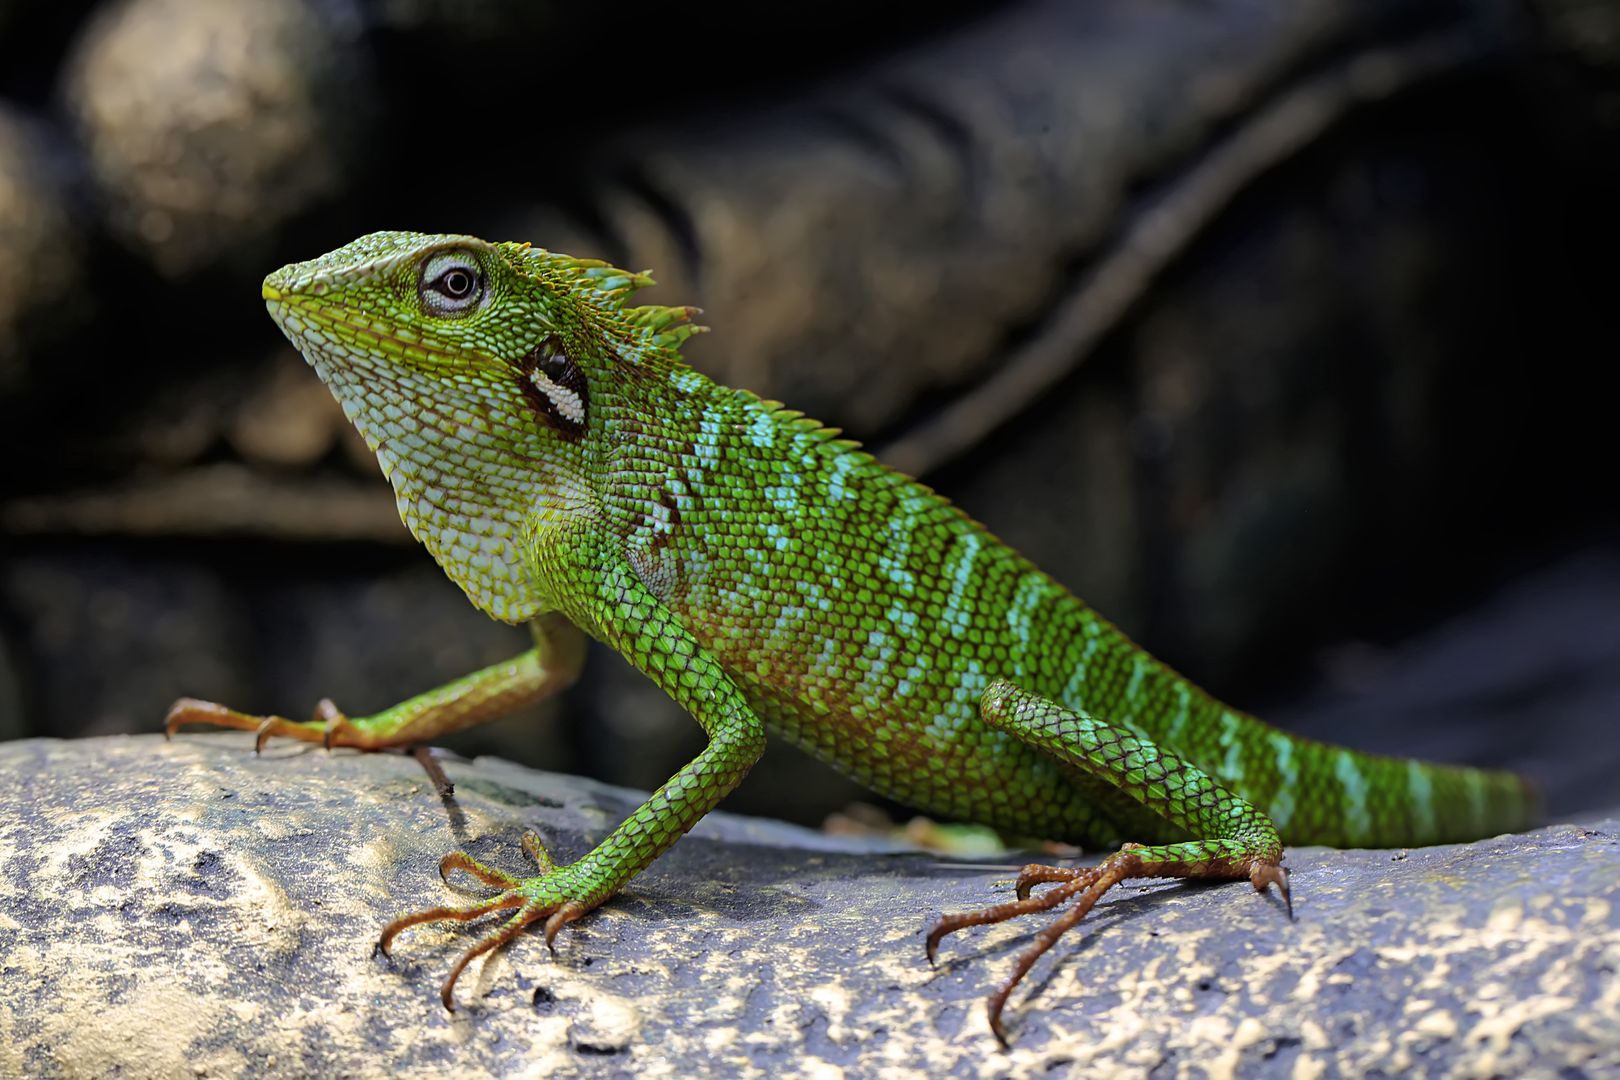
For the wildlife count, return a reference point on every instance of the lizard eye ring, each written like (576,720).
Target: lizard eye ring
(450,283)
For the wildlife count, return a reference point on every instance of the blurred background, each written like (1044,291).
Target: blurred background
(1277,330)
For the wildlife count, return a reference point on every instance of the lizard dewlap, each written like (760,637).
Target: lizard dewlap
(551,450)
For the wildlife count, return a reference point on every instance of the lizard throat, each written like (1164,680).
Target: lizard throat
(475,475)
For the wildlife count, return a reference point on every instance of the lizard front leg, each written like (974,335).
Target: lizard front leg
(551,666)
(650,636)
(1233,839)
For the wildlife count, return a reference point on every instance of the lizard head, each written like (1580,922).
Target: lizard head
(476,372)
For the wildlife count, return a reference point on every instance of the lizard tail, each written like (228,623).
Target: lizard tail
(1366,800)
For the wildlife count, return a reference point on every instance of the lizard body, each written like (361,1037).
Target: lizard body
(551,450)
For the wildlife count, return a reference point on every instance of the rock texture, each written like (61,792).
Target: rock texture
(189,909)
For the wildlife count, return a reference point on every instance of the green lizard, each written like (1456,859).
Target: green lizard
(566,469)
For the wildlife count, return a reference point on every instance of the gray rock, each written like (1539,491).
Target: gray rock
(191,909)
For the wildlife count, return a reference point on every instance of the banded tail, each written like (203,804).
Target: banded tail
(1323,794)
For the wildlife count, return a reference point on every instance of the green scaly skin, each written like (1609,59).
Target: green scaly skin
(564,466)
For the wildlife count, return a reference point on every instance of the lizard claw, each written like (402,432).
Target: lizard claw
(1272,874)
(330,717)
(561,918)
(262,734)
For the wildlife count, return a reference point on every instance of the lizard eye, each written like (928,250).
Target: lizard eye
(450,283)
(455,283)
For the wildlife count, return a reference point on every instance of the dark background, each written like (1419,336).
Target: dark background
(1281,332)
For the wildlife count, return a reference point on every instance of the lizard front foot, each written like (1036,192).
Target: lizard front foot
(1087,885)
(558,894)
(330,725)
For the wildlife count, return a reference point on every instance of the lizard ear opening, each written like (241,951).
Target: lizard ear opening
(555,387)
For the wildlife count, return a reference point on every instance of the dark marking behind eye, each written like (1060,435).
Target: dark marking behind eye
(551,359)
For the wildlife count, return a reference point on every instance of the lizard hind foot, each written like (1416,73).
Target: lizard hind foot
(1073,880)
(1088,883)
(1086,886)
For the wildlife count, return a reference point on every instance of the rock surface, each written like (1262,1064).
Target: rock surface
(189,909)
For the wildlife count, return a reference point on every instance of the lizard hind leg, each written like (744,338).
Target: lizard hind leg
(1236,840)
